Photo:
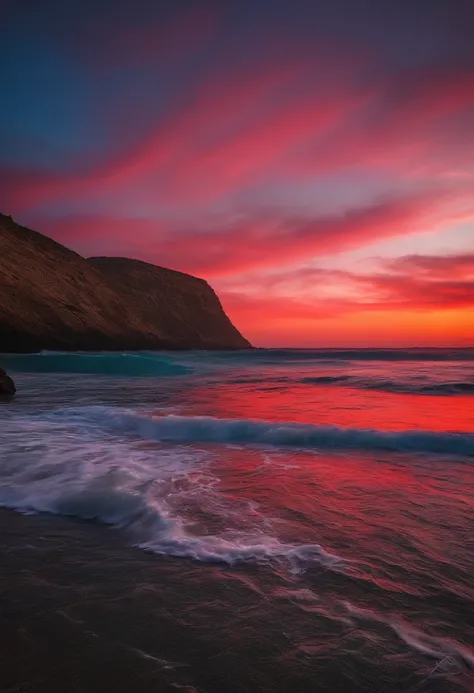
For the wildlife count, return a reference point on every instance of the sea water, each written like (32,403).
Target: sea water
(315,507)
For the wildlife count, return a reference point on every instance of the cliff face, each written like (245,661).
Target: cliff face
(52,298)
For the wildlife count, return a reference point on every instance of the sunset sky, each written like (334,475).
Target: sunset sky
(314,161)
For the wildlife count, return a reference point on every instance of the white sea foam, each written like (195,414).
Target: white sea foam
(63,465)
(155,529)
(230,551)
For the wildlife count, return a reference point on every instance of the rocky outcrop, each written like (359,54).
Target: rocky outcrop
(52,298)
(7,386)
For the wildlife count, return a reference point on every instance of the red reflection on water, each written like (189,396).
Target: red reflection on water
(340,406)
(379,512)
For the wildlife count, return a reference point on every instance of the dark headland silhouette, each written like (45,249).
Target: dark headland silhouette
(52,298)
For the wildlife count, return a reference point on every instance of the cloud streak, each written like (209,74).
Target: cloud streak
(260,241)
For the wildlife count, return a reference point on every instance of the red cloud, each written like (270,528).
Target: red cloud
(259,242)
(399,286)
(256,243)
(416,293)
(276,121)
(215,106)
(437,266)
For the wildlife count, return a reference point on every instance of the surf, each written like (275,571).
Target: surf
(126,498)
(173,428)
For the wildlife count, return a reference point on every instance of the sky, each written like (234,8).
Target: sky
(312,160)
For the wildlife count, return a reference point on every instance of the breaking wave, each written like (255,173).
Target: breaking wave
(207,429)
(112,500)
(67,471)
(126,364)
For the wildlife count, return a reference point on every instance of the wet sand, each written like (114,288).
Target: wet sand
(84,611)
(79,613)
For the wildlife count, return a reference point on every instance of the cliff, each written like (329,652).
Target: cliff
(52,298)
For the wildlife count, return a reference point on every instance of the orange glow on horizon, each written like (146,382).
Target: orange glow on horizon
(448,328)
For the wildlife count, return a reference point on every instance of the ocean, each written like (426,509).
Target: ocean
(220,522)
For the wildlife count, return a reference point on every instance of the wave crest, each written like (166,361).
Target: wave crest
(207,429)
(126,364)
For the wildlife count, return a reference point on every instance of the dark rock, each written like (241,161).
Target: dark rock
(52,298)
(7,386)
